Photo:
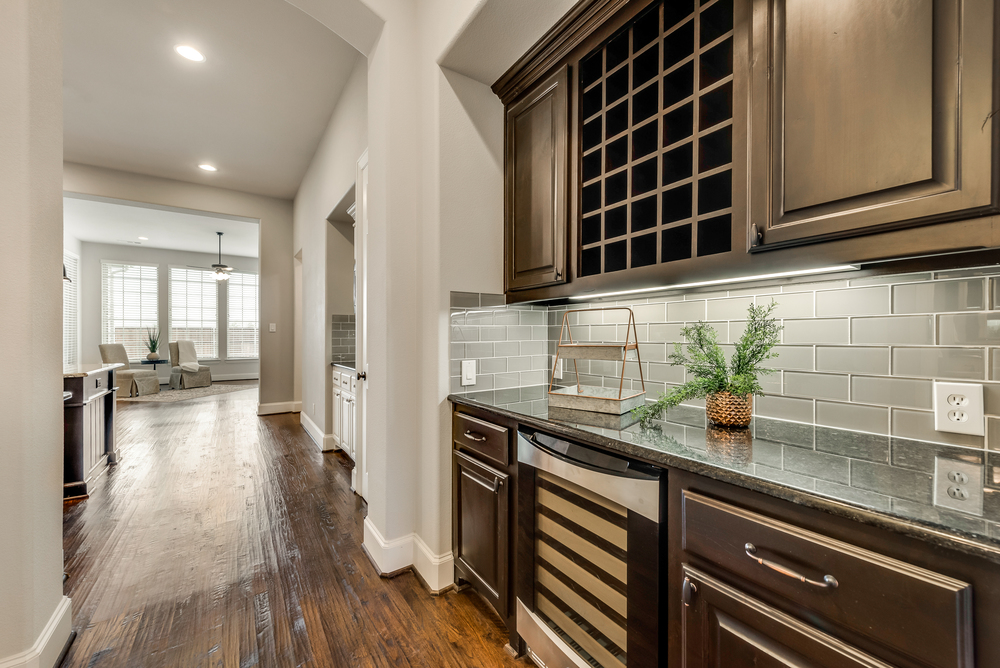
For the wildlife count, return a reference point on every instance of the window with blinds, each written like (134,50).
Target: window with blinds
(71,310)
(128,305)
(194,310)
(243,328)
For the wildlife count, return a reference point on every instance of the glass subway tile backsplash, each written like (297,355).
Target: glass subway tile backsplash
(342,339)
(858,354)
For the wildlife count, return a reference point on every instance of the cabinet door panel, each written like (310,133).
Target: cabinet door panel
(536,211)
(875,116)
(725,627)
(482,528)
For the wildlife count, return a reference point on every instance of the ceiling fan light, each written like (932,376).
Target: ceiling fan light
(221,275)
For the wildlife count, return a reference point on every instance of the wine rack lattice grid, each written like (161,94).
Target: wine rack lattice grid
(656,101)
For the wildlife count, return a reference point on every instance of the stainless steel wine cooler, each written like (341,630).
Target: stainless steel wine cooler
(588,588)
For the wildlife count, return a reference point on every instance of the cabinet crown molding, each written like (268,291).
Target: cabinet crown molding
(562,38)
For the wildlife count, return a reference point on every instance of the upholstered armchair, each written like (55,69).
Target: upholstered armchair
(131,382)
(181,379)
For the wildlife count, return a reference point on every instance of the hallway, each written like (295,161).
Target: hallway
(224,539)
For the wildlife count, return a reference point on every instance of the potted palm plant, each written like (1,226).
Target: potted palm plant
(153,343)
(728,388)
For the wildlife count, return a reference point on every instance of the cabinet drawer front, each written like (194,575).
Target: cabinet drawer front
(910,609)
(481,437)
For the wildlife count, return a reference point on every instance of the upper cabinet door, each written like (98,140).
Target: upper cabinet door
(868,116)
(536,207)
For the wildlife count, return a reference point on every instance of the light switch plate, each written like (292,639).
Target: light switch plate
(272,327)
(958,408)
(468,372)
(958,485)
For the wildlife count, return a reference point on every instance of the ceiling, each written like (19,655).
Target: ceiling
(256,108)
(121,223)
(499,32)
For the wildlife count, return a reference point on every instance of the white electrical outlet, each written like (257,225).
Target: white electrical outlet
(468,372)
(958,408)
(558,370)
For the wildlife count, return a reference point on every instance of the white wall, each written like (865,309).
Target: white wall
(276,275)
(328,249)
(72,244)
(35,617)
(90,302)
(435,225)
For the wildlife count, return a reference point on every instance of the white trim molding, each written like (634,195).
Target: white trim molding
(409,551)
(50,641)
(282,407)
(437,570)
(325,442)
(389,555)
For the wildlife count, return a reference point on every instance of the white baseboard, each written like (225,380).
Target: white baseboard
(389,555)
(281,407)
(325,442)
(438,571)
(50,641)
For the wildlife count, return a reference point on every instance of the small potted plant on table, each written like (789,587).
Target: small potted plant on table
(153,343)
(727,388)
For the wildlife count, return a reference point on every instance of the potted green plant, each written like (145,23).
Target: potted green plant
(728,388)
(153,343)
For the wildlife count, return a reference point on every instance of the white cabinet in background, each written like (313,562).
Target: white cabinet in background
(344,411)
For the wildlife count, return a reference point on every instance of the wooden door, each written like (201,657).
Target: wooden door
(723,626)
(869,116)
(536,213)
(481,531)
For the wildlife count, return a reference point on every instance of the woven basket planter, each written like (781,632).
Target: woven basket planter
(728,409)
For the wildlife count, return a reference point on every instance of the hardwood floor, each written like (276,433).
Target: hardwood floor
(224,539)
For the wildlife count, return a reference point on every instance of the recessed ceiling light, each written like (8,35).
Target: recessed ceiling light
(208,168)
(190,53)
(143,238)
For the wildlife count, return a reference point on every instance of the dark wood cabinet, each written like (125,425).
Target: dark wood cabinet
(736,138)
(484,475)
(868,116)
(482,528)
(537,143)
(724,626)
(755,578)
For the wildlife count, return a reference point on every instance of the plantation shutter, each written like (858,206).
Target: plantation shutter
(243,330)
(128,305)
(194,310)
(71,310)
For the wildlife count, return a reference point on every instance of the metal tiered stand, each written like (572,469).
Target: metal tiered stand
(591,398)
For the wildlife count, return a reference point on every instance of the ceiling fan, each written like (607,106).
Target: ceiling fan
(221,270)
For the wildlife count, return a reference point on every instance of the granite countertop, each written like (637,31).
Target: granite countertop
(872,478)
(347,364)
(83,370)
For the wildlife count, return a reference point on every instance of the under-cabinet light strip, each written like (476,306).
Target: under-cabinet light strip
(722,281)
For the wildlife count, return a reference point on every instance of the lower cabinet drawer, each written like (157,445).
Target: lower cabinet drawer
(914,611)
(485,439)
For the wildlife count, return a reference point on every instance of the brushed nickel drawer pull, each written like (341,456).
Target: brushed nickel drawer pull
(471,436)
(828,581)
